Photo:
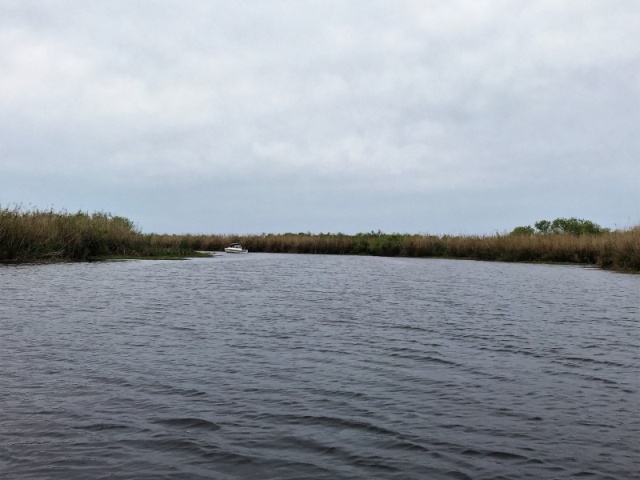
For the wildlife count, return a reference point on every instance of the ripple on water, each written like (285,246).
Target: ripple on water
(318,367)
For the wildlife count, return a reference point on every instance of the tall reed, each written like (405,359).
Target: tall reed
(619,250)
(47,235)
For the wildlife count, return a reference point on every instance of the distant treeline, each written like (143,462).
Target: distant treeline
(573,226)
(54,236)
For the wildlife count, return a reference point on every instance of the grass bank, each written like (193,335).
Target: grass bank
(37,236)
(616,250)
(49,236)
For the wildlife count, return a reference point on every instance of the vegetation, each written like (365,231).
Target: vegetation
(618,250)
(572,226)
(55,236)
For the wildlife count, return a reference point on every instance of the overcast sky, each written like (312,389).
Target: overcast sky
(417,116)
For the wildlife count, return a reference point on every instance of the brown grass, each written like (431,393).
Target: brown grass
(618,250)
(56,236)
(51,236)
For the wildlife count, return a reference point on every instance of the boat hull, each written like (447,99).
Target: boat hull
(235,250)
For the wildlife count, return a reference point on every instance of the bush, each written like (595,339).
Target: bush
(572,226)
(523,231)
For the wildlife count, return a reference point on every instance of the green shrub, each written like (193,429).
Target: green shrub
(527,230)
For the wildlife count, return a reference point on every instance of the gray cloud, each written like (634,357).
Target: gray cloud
(464,116)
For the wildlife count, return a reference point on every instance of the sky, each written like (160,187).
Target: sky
(264,116)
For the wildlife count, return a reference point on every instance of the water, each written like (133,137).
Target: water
(319,367)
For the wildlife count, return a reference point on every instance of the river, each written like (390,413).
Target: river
(268,366)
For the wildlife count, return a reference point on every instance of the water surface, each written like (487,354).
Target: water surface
(298,366)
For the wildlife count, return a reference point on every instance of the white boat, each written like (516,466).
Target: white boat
(235,248)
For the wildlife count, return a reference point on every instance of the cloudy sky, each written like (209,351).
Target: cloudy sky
(251,116)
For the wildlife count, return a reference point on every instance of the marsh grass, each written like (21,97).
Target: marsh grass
(41,236)
(617,250)
(58,236)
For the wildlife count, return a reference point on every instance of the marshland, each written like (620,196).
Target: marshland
(45,236)
(48,235)
(361,364)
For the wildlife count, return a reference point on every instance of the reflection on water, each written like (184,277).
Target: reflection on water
(295,366)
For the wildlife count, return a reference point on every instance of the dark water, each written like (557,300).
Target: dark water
(293,366)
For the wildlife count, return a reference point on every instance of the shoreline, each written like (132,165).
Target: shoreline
(55,237)
(212,254)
